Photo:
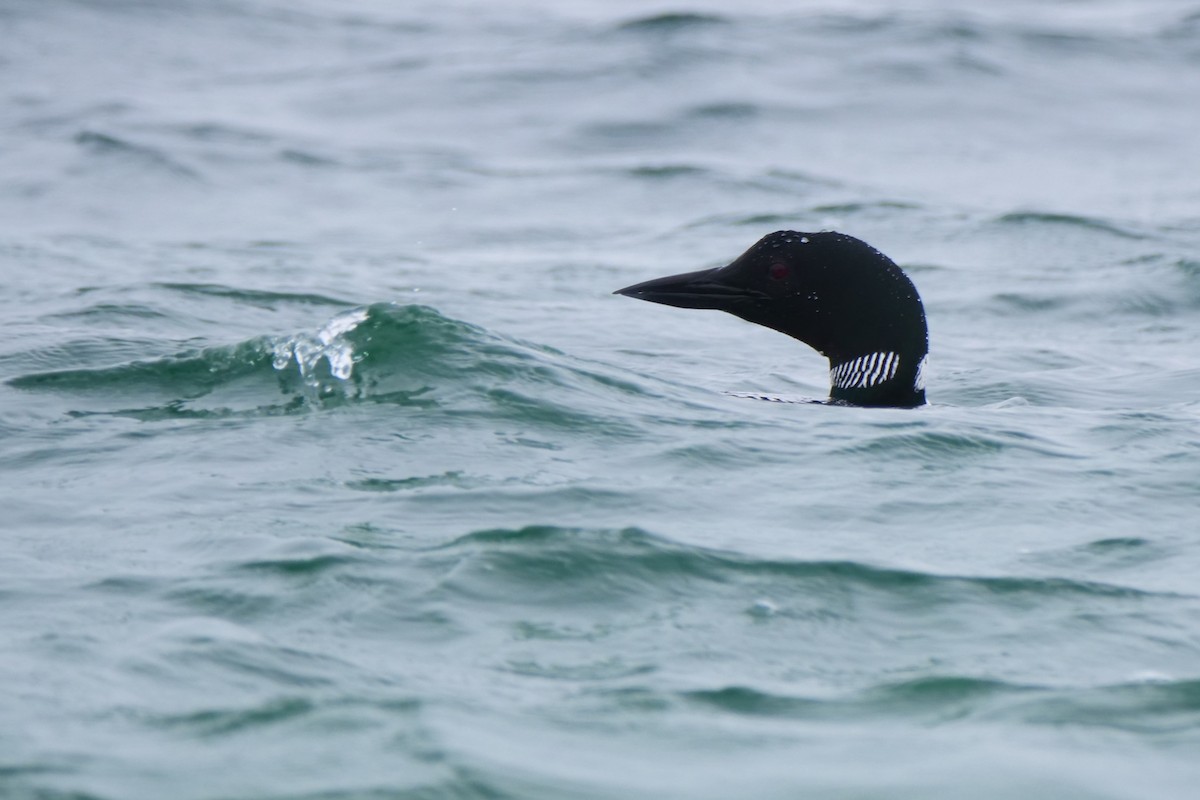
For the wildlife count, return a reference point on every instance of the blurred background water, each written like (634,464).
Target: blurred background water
(331,468)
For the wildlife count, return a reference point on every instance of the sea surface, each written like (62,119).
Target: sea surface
(331,468)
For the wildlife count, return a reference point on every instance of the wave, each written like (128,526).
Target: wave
(1143,706)
(552,580)
(1045,220)
(103,147)
(575,564)
(408,355)
(557,585)
(671,22)
(256,297)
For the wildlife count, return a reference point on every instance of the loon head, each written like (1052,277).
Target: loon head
(835,293)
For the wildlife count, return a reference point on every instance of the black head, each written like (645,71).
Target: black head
(833,292)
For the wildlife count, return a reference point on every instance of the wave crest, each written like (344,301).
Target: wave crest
(389,353)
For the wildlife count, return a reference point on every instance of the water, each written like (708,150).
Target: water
(331,468)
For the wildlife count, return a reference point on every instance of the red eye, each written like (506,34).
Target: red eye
(778,271)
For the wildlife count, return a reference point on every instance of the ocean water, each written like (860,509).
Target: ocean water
(331,468)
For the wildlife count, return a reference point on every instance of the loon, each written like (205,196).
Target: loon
(835,293)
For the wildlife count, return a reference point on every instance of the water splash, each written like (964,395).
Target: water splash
(331,344)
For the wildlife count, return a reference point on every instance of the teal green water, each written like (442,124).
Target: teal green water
(331,467)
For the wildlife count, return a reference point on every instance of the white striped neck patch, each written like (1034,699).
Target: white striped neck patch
(865,371)
(919,383)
